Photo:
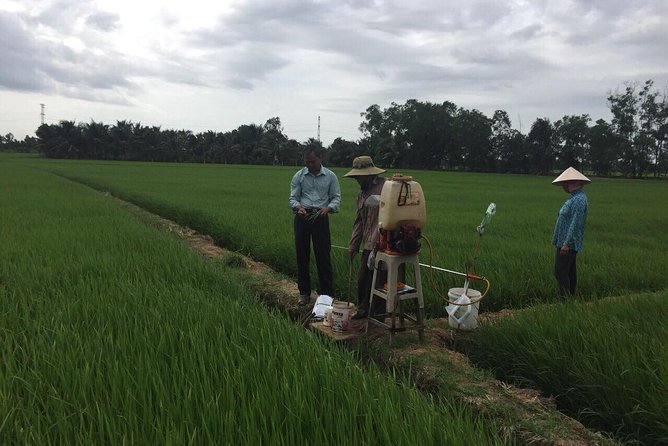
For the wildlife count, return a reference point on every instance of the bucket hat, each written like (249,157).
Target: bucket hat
(571,174)
(363,166)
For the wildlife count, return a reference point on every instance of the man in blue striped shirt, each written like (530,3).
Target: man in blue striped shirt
(568,237)
(314,193)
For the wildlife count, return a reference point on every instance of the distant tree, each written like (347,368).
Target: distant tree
(244,142)
(384,134)
(572,140)
(431,135)
(653,124)
(97,142)
(415,134)
(540,145)
(473,132)
(124,136)
(273,140)
(215,149)
(291,153)
(634,153)
(603,148)
(508,145)
(150,138)
(342,152)
(205,146)
(62,140)
(662,136)
(7,143)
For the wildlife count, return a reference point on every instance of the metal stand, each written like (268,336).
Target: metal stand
(394,298)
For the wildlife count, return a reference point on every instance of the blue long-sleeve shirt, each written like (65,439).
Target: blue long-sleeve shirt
(315,191)
(569,229)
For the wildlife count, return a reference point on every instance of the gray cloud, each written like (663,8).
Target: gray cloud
(528,32)
(46,66)
(60,15)
(285,28)
(103,21)
(478,53)
(379,37)
(251,64)
(20,69)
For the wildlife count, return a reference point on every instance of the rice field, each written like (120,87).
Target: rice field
(605,362)
(246,208)
(114,333)
(603,358)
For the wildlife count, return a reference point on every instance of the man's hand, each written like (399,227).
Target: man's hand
(564,249)
(301,211)
(326,210)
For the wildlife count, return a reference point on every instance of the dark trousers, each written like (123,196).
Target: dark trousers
(364,284)
(565,272)
(318,231)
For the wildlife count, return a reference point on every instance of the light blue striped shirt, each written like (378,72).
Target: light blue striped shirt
(315,191)
(569,229)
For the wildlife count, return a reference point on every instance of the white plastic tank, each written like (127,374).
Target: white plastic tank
(401,203)
(463,315)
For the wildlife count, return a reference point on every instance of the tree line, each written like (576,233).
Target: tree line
(415,134)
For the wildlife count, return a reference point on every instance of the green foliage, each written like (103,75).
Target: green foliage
(89,283)
(246,208)
(605,362)
(113,333)
(248,144)
(415,134)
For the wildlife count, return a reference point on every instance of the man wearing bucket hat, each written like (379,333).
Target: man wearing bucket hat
(314,193)
(365,229)
(568,237)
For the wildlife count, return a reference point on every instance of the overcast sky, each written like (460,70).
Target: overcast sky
(215,65)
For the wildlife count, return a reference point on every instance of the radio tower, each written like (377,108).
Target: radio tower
(42,114)
(318,128)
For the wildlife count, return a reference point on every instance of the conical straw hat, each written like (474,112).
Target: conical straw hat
(571,174)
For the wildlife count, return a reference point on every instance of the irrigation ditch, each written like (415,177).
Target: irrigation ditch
(522,415)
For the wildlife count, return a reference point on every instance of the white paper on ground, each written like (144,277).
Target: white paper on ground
(320,304)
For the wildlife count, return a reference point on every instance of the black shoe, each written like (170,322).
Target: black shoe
(303,300)
(359,315)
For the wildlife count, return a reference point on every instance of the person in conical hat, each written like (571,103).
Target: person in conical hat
(365,232)
(568,237)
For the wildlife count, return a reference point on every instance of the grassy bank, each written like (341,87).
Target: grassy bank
(605,362)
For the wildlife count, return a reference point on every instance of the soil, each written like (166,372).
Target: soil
(521,415)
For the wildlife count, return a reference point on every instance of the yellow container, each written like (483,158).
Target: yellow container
(401,203)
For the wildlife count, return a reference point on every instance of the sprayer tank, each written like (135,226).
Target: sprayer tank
(401,203)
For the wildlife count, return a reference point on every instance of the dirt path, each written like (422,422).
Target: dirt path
(522,415)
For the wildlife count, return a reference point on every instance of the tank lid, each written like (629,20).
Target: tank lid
(401,177)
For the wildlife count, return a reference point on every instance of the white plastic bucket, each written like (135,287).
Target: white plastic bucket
(341,314)
(463,316)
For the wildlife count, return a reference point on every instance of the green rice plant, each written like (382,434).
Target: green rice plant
(113,333)
(605,362)
(246,208)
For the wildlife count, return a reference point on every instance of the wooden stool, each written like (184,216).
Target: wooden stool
(394,298)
